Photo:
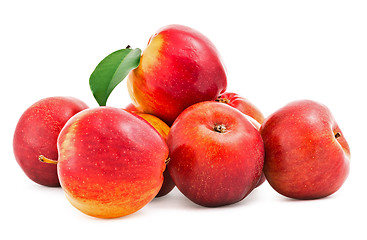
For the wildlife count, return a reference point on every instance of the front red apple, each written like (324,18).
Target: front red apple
(110,162)
(216,154)
(179,67)
(306,154)
(243,105)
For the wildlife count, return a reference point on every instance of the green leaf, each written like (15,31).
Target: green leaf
(111,71)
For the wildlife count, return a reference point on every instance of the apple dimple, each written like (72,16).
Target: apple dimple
(222,100)
(337,135)
(340,139)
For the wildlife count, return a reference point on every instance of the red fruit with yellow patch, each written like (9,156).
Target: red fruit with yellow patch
(179,67)
(111,162)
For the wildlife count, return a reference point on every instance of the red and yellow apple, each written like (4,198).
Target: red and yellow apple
(162,129)
(111,162)
(159,125)
(179,67)
(36,133)
(216,154)
(306,154)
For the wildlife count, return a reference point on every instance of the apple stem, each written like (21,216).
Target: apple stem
(46,160)
(222,100)
(220,128)
(128,47)
(167,160)
(338,134)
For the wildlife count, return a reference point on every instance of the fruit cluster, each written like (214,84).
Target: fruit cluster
(182,129)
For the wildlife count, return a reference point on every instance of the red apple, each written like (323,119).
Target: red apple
(242,104)
(306,154)
(36,133)
(246,107)
(131,108)
(162,129)
(111,162)
(216,154)
(179,67)
(159,125)
(257,125)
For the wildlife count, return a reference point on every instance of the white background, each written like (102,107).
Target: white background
(275,52)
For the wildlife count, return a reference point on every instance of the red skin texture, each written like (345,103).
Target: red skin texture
(213,168)
(36,134)
(246,107)
(261,180)
(304,159)
(111,162)
(163,130)
(179,67)
(167,185)
(257,126)
(242,104)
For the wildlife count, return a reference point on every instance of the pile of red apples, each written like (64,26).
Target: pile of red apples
(182,129)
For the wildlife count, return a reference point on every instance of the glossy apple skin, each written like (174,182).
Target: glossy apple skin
(212,168)
(163,130)
(246,107)
(303,157)
(36,134)
(179,67)
(261,180)
(257,126)
(111,162)
(242,104)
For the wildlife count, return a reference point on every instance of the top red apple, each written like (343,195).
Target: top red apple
(179,67)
